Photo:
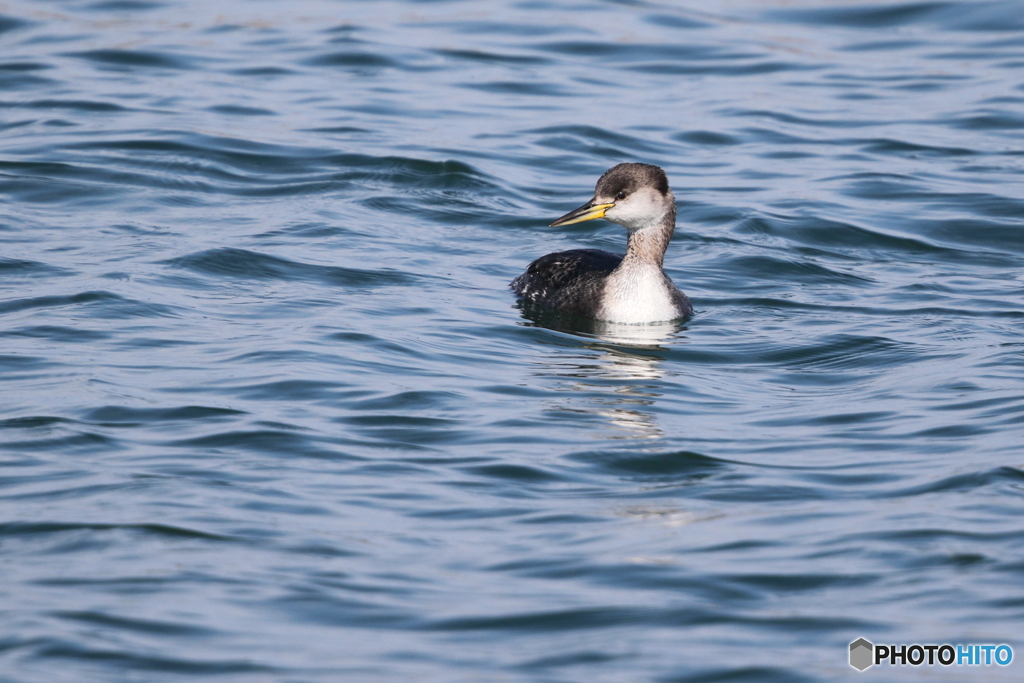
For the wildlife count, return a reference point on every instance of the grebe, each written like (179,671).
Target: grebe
(604,286)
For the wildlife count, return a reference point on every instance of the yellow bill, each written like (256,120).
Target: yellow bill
(587,212)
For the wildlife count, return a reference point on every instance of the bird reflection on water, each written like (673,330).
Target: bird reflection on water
(621,382)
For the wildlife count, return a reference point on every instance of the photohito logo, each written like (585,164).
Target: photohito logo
(863,654)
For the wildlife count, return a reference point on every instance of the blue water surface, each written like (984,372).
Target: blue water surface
(270,412)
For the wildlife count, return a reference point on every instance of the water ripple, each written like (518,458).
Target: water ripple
(231,262)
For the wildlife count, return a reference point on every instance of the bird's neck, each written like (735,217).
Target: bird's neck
(638,291)
(647,245)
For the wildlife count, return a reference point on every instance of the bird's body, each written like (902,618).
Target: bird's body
(569,281)
(598,284)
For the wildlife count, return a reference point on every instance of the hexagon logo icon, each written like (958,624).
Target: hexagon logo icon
(862,654)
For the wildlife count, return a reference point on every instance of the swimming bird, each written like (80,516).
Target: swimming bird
(598,284)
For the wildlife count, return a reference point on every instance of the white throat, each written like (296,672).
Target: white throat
(636,293)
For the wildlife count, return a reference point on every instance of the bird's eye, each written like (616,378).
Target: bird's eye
(621,195)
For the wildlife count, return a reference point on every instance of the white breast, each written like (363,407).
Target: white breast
(637,295)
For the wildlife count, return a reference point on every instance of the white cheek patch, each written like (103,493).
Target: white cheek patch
(638,210)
